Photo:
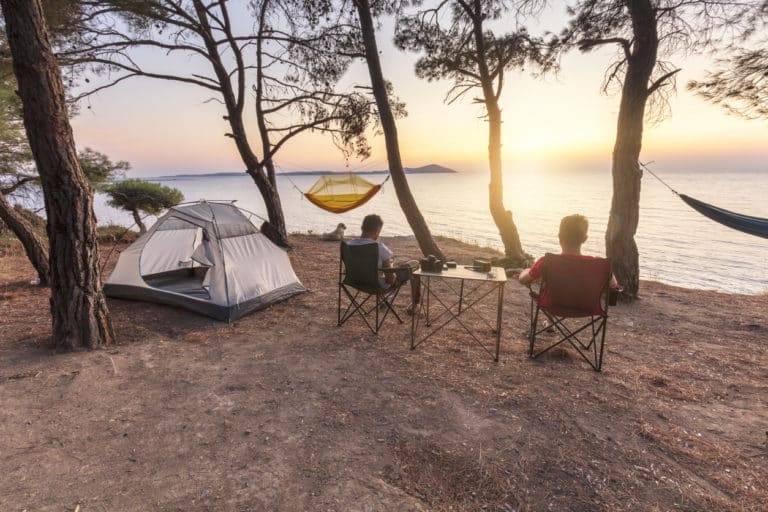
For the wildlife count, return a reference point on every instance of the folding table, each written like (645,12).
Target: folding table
(456,295)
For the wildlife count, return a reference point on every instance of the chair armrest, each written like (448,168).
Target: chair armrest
(402,274)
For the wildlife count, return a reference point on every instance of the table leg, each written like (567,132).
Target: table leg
(429,281)
(413,323)
(500,309)
(461,295)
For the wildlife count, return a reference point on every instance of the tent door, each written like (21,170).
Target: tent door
(176,260)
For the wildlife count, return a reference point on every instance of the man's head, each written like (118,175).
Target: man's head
(372,225)
(573,232)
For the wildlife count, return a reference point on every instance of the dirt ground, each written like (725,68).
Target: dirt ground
(282,410)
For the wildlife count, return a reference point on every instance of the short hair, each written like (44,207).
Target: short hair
(372,223)
(573,229)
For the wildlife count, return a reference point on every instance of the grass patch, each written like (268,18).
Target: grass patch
(114,233)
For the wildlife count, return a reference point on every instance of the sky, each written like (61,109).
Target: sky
(561,122)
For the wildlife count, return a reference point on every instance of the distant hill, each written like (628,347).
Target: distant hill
(426,169)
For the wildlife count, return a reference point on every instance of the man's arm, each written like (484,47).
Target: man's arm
(389,277)
(525,277)
(385,257)
(532,274)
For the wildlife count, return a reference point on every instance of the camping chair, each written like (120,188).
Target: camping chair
(573,288)
(359,279)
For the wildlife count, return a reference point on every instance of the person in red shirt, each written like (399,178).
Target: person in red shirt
(572,235)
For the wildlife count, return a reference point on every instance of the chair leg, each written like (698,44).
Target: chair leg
(593,342)
(602,345)
(597,327)
(534,324)
(352,307)
(380,301)
(389,300)
(385,301)
(357,307)
(592,352)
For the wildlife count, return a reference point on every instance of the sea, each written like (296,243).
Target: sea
(677,245)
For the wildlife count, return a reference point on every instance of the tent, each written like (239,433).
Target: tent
(207,257)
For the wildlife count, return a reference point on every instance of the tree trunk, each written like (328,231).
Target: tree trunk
(513,249)
(34,247)
(78,307)
(277,233)
(234,102)
(274,207)
(138,221)
(620,243)
(399,180)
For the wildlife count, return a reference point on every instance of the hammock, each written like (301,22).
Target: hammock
(341,193)
(744,223)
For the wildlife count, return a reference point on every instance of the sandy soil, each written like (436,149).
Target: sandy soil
(283,410)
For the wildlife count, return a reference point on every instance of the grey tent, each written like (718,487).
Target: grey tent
(207,257)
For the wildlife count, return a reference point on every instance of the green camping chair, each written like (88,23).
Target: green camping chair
(359,279)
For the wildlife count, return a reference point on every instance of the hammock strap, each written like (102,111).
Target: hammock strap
(294,184)
(645,167)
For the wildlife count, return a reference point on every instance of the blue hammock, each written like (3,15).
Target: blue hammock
(744,223)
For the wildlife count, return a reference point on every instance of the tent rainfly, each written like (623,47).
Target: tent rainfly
(207,257)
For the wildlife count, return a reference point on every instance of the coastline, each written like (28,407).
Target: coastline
(677,245)
(426,169)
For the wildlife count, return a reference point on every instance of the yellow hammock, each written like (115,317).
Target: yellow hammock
(341,193)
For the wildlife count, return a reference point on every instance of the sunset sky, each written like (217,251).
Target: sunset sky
(561,122)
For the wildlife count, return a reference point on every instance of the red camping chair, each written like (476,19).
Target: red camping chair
(573,288)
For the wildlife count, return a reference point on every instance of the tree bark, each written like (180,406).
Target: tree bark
(78,308)
(513,248)
(33,245)
(407,202)
(234,103)
(620,243)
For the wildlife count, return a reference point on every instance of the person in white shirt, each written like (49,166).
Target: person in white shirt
(370,231)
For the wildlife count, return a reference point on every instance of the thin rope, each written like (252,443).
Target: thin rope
(117,241)
(294,185)
(645,167)
(288,177)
